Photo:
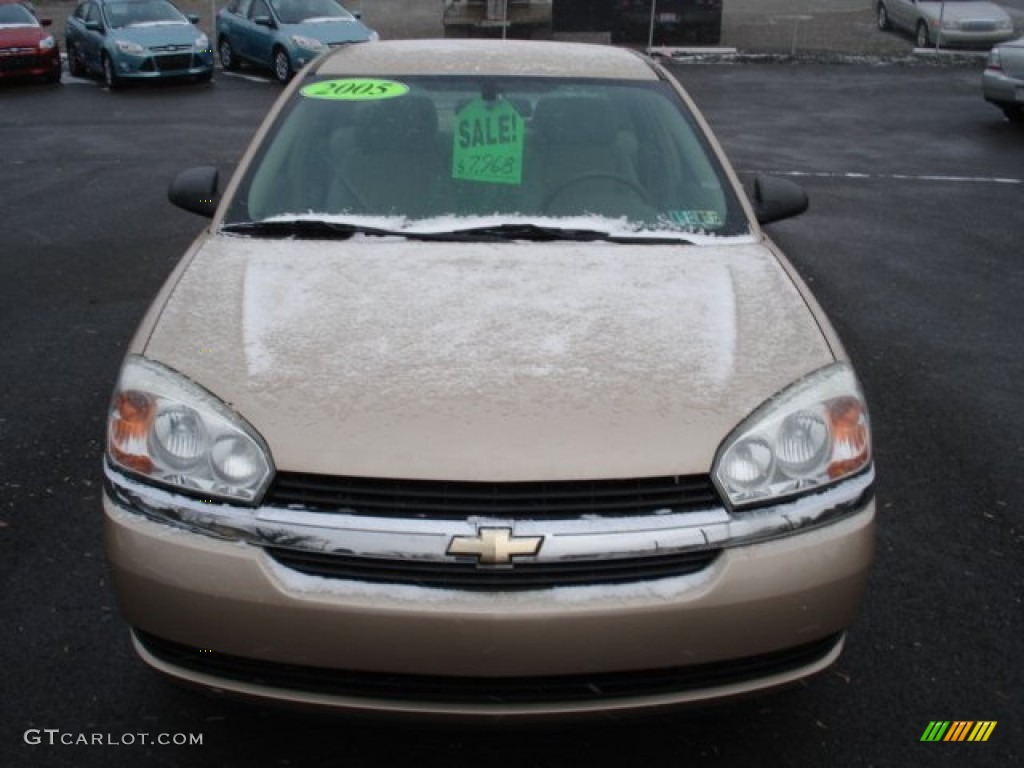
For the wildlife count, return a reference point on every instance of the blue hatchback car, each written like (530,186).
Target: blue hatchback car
(136,39)
(284,35)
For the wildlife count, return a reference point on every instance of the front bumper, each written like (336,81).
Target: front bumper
(222,613)
(187,63)
(958,38)
(1000,88)
(29,62)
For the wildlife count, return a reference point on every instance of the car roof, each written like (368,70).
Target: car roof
(487,57)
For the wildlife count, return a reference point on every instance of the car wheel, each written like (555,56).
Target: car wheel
(922,37)
(110,78)
(883,17)
(227,54)
(75,66)
(282,65)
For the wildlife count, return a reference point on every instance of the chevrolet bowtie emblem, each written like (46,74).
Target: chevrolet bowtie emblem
(495,546)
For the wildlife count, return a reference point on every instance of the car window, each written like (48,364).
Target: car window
(16,15)
(463,147)
(259,8)
(93,13)
(241,7)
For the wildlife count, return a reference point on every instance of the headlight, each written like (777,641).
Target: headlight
(373,36)
(1005,24)
(167,429)
(309,43)
(813,434)
(202,43)
(127,46)
(47,43)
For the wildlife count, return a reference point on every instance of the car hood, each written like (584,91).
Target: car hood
(21,36)
(484,361)
(963,11)
(341,31)
(158,34)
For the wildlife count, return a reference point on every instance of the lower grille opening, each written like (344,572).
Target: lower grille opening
(470,576)
(484,690)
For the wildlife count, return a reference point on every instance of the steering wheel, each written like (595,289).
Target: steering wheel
(632,186)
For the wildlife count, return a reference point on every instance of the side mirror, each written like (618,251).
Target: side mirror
(358,14)
(776,199)
(192,18)
(45,22)
(263,21)
(195,190)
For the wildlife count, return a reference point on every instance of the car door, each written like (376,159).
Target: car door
(902,13)
(260,37)
(92,35)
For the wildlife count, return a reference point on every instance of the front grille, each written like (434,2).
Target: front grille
(462,500)
(977,25)
(470,576)
(488,691)
(20,62)
(173,62)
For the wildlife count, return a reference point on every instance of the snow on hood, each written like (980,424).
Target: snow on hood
(500,361)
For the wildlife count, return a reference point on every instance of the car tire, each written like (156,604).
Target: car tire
(282,66)
(882,17)
(226,54)
(75,66)
(1014,113)
(110,78)
(921,36)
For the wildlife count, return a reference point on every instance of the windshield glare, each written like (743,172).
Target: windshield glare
(468,150)
(297,11)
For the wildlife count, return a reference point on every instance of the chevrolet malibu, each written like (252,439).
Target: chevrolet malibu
(484,393)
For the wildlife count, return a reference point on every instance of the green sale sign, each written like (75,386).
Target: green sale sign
(488,143)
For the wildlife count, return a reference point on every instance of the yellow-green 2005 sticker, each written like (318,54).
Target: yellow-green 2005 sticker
(359,89)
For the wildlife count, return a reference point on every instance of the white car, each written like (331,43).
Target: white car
(953,23)
(1002,82)
(485,393)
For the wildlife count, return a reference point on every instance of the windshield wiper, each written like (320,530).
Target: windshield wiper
(541,233)
(312,229)
(319,229)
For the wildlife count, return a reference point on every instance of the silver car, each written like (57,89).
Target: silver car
(483,392)
(1002,82)
(954,23)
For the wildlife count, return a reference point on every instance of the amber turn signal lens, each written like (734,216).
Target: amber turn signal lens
(851,448)
(129,429)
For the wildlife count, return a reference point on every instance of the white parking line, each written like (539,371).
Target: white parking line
(899,177)
(250,78)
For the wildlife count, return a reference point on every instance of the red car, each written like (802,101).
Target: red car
(27,49)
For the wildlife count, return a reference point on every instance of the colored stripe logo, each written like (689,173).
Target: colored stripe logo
(958,730)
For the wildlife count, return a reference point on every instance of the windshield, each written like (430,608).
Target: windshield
(298,11)
(16,15)
(146,13)
(451,153)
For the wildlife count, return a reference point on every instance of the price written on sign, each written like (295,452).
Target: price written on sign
(488,143)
